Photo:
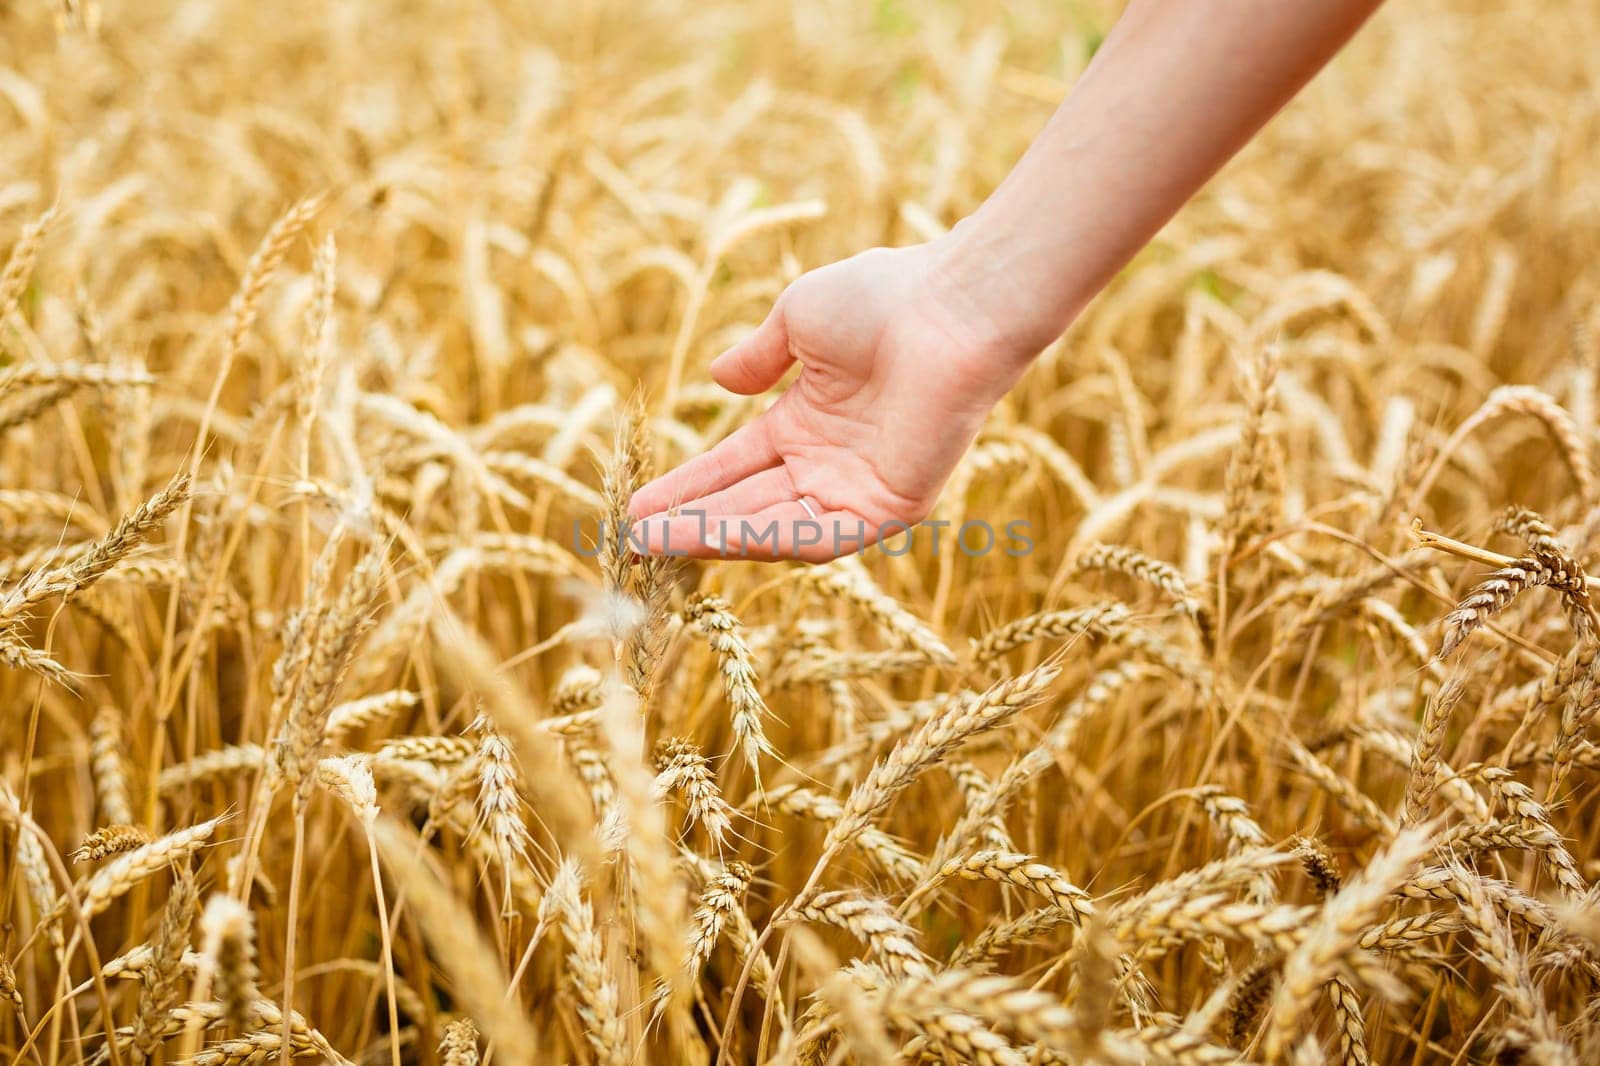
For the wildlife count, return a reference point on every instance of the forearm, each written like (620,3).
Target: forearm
(1178,87)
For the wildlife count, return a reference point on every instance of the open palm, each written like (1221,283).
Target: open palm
(893,386)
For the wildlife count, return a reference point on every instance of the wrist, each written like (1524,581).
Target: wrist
(1020,307)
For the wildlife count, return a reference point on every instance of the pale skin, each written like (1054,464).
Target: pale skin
(903,351)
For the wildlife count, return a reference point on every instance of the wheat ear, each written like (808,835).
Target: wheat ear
(459,1044)
(721,630)
(1330,939)
(110,773)
(565,907)
(960,720)
(227,938)
(682,768)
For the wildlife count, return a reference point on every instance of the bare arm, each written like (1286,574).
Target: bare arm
(904,350)
(1178,87)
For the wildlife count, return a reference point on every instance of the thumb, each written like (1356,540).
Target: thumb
(756,363)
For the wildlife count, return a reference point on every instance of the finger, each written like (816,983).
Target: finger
(745,451)
(756,493)
(683,530)
(788,531)
(686,534)
(756,363)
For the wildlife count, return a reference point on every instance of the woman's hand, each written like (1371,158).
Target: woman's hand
(898,367)
(903,351)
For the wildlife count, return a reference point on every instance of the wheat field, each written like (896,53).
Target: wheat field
(332,334)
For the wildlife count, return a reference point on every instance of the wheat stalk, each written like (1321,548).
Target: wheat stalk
(471,963)
(682,768)
(19,264)
(849,581)
(33,862)
(499,804)
(941,734)
(162,984)
(1161,576)
(565,907)
(459,1044)
(1532,1032)
(1012,868)
(227,938)
(721,630)
(109,840)
(110,775)
(129,868)
(1335,931)
(871,921)
(1098,621)
(1425,756)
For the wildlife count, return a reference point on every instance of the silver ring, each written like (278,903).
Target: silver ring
(805,501)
